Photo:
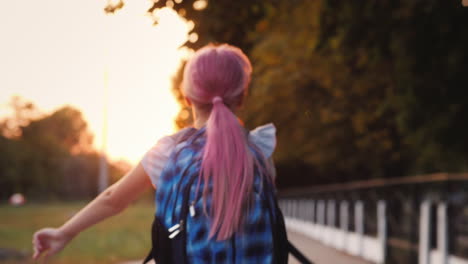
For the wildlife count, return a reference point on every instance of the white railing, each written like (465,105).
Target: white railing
(440,254)
(317,219)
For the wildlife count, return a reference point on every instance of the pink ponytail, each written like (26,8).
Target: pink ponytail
(218,77)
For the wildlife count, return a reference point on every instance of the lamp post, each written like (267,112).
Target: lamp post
(103,180)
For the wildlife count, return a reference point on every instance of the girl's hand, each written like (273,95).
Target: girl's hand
(49,241)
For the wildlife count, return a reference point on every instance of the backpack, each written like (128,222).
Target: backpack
(180,228)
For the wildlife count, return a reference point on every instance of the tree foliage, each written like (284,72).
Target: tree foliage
(422,45)
(357,89)
(48,155)
(331,119)
(220,20)
(363,89)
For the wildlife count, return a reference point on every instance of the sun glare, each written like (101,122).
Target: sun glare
(121,59)
(142,107)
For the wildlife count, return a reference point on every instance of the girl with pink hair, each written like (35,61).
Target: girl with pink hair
(231,166)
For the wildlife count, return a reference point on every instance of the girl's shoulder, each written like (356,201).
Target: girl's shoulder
(155,158)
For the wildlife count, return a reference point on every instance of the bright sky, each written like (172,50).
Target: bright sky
(55,52)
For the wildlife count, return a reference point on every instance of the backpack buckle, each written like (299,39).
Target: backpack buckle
(175,229)
(192,209)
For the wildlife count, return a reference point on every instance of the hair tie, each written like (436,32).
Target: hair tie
(216,99)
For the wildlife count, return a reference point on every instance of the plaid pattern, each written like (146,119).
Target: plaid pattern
(254,244)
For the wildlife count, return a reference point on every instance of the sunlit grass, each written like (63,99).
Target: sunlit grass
(123,237)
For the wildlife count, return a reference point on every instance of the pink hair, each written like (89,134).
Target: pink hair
(222,71)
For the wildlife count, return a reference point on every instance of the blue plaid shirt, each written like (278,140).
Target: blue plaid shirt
(252,244)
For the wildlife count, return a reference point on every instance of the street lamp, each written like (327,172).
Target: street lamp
(103,180)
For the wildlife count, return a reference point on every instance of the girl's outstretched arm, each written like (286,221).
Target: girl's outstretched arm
(113,200)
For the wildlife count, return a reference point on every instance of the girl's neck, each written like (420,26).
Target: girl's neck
(198,123)
(199,118)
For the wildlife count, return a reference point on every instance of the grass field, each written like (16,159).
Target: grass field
(120,238)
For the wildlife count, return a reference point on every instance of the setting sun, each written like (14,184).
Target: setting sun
(119,64)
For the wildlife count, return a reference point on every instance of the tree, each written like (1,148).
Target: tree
(423,45)
(23,112)
(49,155)
(356,89)
(65,131)
(220,21)
(368,89)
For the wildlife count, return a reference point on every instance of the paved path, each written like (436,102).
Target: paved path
(318,253)
(315,251)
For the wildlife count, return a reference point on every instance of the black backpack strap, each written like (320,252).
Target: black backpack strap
(160,244)
(149,257)
(297,254)
(279,232)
